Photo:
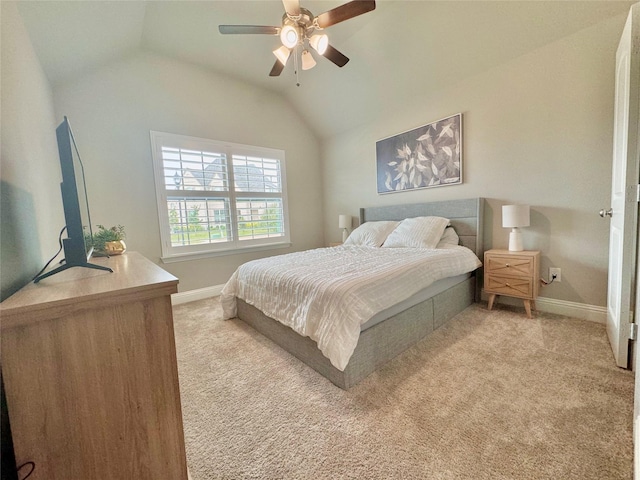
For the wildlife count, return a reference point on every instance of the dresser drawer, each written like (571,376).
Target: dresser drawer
(512,286)
(510,265)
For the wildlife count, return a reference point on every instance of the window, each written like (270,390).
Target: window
(216,197)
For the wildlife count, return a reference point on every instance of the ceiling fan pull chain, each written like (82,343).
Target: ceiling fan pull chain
(295,64)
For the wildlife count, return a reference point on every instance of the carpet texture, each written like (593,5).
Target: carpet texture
(491,395)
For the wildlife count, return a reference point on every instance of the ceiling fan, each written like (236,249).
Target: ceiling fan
(298,30)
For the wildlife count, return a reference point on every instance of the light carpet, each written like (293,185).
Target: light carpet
(491,395)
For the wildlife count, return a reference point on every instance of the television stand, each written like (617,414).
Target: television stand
(69,265)
(90,374)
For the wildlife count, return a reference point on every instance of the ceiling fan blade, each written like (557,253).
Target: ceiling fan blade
(345,12)
(292,7)
(248,29)
(335,56)
(277,69)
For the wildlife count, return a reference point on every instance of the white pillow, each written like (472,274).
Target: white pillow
(419,232)
(371,234)
(449,237)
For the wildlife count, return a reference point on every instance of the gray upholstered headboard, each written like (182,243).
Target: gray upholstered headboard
(466,217)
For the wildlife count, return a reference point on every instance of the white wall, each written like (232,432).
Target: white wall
(537,130)
(32,214)
(112,111)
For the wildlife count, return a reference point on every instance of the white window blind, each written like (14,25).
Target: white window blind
(217,197)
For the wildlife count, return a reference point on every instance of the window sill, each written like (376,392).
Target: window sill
(185,257)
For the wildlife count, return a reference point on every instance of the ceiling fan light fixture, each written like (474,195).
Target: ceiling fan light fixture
(289,36)
(301,32)
(282,54)
(319,43)
(308,61)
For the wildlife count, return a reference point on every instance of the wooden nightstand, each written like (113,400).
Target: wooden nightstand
(335,244)
(514,274)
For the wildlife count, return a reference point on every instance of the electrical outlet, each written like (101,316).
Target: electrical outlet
(558,274)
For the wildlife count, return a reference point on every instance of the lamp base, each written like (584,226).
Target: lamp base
(515,240)
(345,234)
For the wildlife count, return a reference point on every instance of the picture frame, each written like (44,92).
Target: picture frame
(425,157)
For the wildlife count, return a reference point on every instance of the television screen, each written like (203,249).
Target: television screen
(78,244)
(77,249)
(81,189)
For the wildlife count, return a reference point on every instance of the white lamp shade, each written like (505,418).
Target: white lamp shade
(289,36)
(344,221)
(515,216)
(307,60)
(282,54)
(319,43)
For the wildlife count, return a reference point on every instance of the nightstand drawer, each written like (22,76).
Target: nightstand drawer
(510,265)
(511,286)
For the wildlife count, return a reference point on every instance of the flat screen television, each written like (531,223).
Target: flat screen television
(78,244)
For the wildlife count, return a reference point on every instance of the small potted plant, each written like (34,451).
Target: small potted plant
(109,241)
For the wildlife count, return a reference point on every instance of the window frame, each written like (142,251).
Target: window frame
(235,246)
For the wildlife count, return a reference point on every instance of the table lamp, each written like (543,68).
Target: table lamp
(344,222)
(515,216)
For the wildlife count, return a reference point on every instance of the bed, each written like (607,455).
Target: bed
(401,324)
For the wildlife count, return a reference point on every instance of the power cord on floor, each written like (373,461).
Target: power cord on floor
(29,464)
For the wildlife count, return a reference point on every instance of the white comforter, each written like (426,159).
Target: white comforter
(328,293)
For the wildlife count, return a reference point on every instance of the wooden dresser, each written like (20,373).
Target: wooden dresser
(89,366)
(514,274)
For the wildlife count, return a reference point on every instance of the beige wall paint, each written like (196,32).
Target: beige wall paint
(112,111)
(32,212)
(537,130)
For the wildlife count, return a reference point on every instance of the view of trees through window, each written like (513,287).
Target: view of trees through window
(205,214)
(194,221)
(216,195)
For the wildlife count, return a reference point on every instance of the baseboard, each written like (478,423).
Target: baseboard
(592,313)
(197,294)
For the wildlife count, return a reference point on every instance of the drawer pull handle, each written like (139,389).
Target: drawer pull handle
(507,285)
(507,265)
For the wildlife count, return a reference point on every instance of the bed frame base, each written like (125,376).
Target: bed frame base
(378,344)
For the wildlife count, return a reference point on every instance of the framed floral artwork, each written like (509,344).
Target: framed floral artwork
(425,157)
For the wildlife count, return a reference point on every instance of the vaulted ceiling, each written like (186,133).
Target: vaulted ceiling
(398,51)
